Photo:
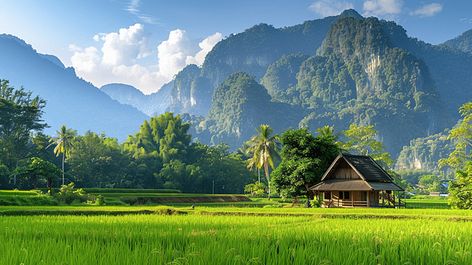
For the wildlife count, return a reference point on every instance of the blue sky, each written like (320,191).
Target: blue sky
(144,43)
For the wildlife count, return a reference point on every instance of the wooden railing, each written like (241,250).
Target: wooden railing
(344,203)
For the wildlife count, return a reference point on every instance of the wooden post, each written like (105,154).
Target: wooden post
(338,198)
(383,198)
(352,199)
(368,201)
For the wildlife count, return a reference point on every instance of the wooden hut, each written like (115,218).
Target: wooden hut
(357,181)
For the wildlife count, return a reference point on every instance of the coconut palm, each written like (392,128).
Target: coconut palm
(264,149)
(63,141)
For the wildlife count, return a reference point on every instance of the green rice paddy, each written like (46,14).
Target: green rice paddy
(232,235)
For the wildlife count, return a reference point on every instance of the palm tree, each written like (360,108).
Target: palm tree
(63,142)
(263,146)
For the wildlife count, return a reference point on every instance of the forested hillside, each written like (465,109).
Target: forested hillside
(333,71)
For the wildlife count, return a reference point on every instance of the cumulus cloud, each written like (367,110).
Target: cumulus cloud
(172,53)
(329,8)
(205,47)
(428,10)
(382,7)
(84,60)
(118,59)
(124,46)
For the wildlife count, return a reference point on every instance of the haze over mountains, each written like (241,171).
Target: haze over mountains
(70,100)
(331,71)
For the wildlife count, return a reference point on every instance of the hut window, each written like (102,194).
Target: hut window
(327,195)
(344,195)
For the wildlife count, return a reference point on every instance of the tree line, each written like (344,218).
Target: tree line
(162,155)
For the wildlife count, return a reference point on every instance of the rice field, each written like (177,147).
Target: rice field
(236,236)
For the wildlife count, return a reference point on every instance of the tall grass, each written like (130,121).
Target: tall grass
(201,239)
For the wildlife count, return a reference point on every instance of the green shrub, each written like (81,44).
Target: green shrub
(68,194)
(256,189)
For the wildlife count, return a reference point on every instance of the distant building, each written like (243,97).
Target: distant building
(357,181)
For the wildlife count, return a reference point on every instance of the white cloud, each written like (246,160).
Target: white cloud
(205,47)
(85,60)
(118,59)
(329,8)
(382,7)
(124,46)
(172,53)
(428,10)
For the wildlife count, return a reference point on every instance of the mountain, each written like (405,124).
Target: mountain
(424,153)
(251,51)
(462,42)
(240,104)
(359,73)
(281,76)
(70,100)
(350,70)
(153,104)
(191,92)
(451,70)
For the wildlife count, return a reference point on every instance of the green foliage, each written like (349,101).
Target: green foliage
(20,115)
(460,190)
(98,161)
(304,160)
(460,160)
(431,183)
(165,136)
(263,148)
(37,173)
(68,194)
(239,105)
(63,144)
(4,176)
(461,135)
(281,75)
(256,189)
(362,140)
(423,154)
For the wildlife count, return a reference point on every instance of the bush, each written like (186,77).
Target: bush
(257,189)
(68,194)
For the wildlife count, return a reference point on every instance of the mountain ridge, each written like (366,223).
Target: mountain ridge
(70,100)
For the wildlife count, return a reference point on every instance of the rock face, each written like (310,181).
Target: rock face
(462,42)
(361,75)
(336,71)
(424,153)
(251,51)
(70,100)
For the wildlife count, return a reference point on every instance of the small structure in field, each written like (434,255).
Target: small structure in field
(357,181)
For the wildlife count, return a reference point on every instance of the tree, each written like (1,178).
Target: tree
(98,161)
(362,140)
(38,173)
(460,190)
(4,174)
(20,115)
(430,183)
(461,135)
(264,147)
(304,160)
(460,160)
(63,142)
